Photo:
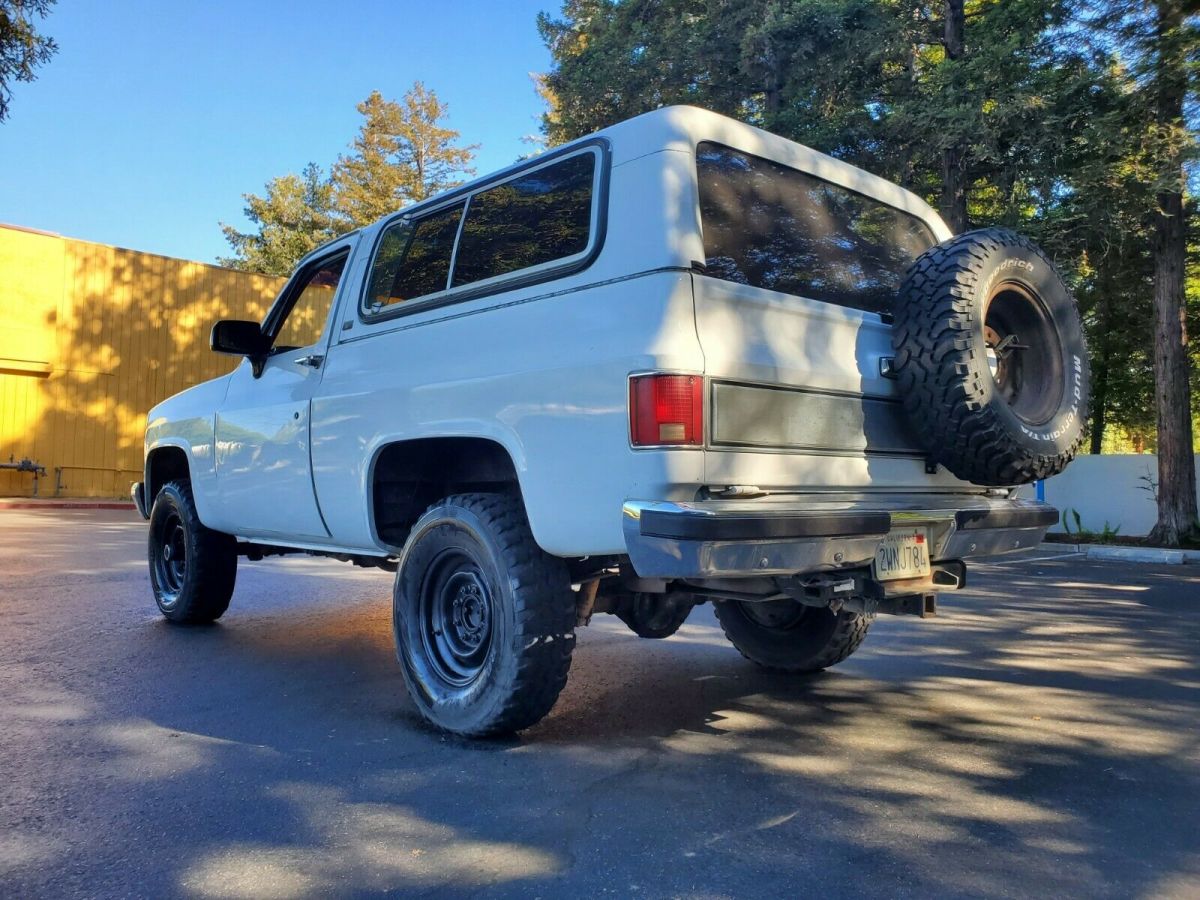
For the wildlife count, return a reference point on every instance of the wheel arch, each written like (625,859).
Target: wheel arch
(165,462)
(407,475)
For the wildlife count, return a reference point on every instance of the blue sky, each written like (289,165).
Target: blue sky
(155,117)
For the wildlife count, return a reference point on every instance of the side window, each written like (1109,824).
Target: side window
(531,220)
(413,259)
(308,308)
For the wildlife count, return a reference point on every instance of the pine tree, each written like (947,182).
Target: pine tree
(402,154)
(294,216)
(22,47)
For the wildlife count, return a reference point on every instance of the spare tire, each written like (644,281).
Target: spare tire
(991,360)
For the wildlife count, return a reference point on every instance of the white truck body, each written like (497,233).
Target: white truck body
(539,363)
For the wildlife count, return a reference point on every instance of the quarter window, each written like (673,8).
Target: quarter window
(413,259)
(774,227)
(528,221)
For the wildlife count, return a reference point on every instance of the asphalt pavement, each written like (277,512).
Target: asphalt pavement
(1041,737)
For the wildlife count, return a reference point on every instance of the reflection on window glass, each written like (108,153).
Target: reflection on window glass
(530,220)
(306,320)
(774,227)
(413,259)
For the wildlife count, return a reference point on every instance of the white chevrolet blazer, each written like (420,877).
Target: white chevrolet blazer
(681,360)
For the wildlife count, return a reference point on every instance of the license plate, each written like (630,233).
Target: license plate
(903,554)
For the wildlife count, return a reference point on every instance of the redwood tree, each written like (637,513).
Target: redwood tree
(1161,41)
(954,173)
(1176,464)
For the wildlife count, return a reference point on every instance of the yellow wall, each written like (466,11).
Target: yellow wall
(91,337)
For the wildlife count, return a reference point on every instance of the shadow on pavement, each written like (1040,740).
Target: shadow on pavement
(1039,739)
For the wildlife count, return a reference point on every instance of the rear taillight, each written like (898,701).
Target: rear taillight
(666,410)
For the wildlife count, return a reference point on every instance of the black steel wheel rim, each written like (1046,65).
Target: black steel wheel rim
(456,615)
(1024,353)
(170,557)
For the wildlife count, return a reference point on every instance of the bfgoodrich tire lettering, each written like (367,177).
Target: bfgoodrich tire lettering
(990,358)
(484,619)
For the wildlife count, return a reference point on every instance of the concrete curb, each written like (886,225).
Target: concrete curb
(1137,555)
(1113,553)
(66,504)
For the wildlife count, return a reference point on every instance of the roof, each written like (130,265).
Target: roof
(681,128)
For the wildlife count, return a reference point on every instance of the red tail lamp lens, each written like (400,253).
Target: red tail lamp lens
(666,410)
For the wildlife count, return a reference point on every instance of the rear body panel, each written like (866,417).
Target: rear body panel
(798,398)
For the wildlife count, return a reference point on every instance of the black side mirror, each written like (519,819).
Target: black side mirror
(240,338)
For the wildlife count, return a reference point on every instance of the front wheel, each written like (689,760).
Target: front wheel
(786,636)
(192,568)
(484,619)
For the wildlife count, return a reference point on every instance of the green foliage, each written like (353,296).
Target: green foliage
(22,47)
(865,80)
(294,216)
(1107,535)
(400,156)
(1043,112)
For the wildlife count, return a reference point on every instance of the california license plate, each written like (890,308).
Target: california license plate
(903,554)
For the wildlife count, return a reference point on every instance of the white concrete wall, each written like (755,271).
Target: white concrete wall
(1106,488)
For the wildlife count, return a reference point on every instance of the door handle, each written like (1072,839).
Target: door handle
(313,361)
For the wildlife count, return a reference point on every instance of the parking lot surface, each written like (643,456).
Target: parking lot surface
(1041,737)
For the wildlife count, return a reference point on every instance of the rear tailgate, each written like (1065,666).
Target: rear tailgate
(797,396)
(800,271)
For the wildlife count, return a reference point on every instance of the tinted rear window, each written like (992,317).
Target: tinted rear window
(774,227)
(413,259)
(531,220)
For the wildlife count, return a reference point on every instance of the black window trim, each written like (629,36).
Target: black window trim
(281,308)
(422,213)
(555,269)
(882,316)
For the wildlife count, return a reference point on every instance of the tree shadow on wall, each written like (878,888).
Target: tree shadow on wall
(132,330)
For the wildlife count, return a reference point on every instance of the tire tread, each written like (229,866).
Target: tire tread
(215,564)
(939,373)
(850,630)
(544,614)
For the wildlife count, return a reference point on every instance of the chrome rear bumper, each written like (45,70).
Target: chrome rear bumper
(786,536)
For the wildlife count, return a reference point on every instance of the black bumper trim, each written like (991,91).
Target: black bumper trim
(1017,517)
(698,526)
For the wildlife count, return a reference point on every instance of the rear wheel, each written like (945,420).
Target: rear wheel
(484,619)
(786,636)
(192,568)
(655,616)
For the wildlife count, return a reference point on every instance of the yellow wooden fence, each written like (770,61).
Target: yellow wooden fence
(91,337)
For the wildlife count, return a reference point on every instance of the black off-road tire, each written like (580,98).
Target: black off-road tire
(991,418)
(192,567)
(785,636)
(654,616)
(471,559)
